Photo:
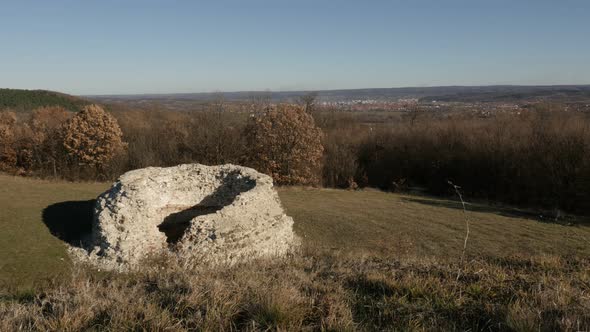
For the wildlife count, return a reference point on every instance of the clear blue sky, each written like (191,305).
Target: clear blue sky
(108,46)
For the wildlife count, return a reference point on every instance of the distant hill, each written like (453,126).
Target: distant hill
(27,100)
(509,93)
(493,93)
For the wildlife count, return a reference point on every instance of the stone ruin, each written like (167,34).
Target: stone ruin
(216,214)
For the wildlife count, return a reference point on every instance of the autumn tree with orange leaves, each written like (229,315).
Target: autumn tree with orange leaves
(92,137)
(285,143)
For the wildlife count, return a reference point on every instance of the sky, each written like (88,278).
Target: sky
(130,46)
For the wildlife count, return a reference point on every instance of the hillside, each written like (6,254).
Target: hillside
(26,100)
(371,261)
(352,222)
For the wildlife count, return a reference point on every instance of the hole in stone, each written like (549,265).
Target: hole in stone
(175,224)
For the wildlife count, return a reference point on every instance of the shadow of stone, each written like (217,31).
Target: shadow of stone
(535,215)
(473,207)
(70,221)
(175,224)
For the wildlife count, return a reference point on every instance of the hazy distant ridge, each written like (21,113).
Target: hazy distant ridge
(442,93)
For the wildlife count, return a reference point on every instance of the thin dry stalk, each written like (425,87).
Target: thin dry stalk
(458,192)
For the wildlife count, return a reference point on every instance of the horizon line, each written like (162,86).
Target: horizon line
(321,90)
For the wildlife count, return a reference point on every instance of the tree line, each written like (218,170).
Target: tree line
(93,144)
(538,157)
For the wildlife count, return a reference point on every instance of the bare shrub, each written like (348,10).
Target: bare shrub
(343,137)
(7,152)
(221,140)
(166,138)
(46,120)
(535,159)
(340,163)
(308,101)
(48,154)
(140,130)
(285,143)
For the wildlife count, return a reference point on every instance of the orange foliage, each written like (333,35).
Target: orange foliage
(93,137)
(285,143)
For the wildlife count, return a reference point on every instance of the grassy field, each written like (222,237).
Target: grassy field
(354,223)
(413,226)
(370,261)
(28,251)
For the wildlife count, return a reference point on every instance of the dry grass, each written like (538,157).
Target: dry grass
(315,292)
(370,261)
(378,223)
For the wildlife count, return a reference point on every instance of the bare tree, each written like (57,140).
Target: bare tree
(45,124)
(308,101)
(218,126)
(259,101)
(7,152)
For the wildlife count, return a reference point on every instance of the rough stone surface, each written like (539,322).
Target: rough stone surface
(218,214)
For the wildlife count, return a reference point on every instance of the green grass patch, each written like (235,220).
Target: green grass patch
(356,223)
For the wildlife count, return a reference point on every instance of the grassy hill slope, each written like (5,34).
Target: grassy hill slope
(26,100)
(349,222)
(371,261)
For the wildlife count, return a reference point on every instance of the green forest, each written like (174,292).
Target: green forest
(26,100)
